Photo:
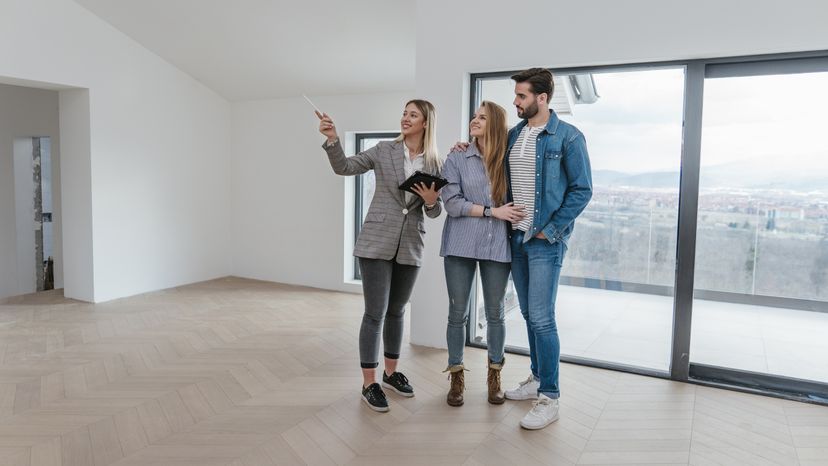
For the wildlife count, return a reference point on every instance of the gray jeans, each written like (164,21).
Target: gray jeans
(386,288)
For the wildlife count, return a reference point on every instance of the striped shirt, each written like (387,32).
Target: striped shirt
(482,238)
(522,169)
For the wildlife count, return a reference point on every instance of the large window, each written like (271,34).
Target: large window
(614,302)
(364,184)
(704,252)
(762,235)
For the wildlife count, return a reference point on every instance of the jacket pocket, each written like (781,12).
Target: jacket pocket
(374,217)
(552,164)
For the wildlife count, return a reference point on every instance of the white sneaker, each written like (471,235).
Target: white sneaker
(526,390)
(544,412)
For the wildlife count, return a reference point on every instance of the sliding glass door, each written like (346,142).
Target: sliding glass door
(761,282)
(615,301)
(703,255)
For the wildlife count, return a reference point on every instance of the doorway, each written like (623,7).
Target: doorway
(34,213)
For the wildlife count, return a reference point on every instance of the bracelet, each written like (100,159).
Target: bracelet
(429,207)
(331,143)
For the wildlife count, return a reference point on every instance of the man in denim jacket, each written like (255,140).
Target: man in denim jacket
(549,173)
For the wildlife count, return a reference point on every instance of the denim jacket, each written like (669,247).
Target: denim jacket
(563,182)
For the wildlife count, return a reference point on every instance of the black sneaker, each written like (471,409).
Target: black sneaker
(375,398)
(398,383)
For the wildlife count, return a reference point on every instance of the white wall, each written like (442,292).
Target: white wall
(459,37)
(25,112)
(291,213)
(146,191)
(76,194)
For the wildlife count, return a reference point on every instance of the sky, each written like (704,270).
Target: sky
(636,124)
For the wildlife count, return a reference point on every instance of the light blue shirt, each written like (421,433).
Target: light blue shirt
(483,238)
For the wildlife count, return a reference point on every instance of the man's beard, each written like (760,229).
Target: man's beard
(529,111)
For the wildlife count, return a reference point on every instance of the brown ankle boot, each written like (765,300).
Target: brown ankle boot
(455,394)
(496,395)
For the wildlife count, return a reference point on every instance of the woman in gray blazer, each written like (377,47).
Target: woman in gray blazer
(390,244)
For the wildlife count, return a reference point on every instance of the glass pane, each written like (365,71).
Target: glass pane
(615,299)
(46,196)
(763,226)
(368,179)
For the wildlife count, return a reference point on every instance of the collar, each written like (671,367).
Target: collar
(551,125)
(472,150)
(408,152)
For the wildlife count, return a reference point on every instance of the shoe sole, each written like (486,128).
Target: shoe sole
(513,398)
(540,427)
(375,408)
(391,387)
(456,405)
(497,401)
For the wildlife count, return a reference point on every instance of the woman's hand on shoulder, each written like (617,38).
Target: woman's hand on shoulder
(460,146)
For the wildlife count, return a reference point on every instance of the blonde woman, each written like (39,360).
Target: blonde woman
(390,244)
(476,234)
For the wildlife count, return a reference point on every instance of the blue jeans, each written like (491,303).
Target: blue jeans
(536,268)
(459,280)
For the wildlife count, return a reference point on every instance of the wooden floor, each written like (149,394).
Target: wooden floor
(237,372)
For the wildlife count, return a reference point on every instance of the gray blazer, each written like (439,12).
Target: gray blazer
(391,227)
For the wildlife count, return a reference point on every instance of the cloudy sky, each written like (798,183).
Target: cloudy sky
(636,124)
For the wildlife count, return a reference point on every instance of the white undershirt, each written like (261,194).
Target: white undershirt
(410,167)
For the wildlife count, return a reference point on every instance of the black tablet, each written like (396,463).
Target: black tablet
(420,177)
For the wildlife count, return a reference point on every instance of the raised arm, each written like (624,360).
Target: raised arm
(341,164)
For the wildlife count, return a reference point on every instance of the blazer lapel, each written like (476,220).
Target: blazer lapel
(397,155)
(414,200)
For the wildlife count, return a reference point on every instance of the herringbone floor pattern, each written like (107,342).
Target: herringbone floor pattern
(237,372)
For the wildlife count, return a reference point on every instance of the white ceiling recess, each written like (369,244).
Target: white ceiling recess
(261,49)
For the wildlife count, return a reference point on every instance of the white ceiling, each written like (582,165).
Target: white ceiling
(259,49)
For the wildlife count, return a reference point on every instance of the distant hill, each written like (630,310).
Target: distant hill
(764,174)
(639,180)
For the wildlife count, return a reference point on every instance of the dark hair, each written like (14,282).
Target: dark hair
(540,81)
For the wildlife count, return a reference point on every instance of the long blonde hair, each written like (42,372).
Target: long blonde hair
(433,162)
(493,150)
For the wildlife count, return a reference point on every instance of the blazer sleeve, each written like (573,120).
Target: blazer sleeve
(438,206)
(346,166)
(436,211)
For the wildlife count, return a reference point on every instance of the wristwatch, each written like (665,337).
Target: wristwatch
(487,211)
